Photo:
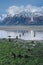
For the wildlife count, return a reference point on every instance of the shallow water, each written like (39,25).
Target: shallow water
(27,35)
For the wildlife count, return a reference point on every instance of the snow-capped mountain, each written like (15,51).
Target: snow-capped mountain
(24,17)
(2,17)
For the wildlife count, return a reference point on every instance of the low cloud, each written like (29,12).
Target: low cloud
(29,8)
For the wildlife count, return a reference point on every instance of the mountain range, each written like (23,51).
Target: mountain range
(22,18)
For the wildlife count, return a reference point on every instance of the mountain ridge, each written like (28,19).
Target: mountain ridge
(22,18)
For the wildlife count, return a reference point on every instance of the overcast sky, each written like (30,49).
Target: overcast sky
(4,4)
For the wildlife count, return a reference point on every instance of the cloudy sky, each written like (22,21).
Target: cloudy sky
(5,4)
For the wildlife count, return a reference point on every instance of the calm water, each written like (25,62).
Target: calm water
(26,36)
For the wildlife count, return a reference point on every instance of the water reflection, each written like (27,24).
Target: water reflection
(27,35)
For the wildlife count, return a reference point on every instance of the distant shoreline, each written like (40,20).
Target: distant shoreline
(21,27)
